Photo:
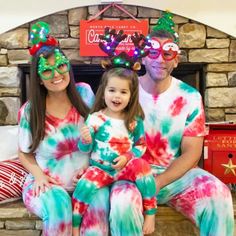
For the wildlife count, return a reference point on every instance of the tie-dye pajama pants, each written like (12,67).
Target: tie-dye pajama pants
(136,170)
(54,207)
(198,195)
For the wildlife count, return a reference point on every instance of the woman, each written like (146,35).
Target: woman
(49,125)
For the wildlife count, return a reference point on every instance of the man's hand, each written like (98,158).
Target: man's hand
(191,149)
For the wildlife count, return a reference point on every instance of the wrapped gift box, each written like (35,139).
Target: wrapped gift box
(220,151)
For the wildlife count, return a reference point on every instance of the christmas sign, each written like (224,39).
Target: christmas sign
(90,31)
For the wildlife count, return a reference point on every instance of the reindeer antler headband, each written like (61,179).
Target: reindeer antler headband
(111,40)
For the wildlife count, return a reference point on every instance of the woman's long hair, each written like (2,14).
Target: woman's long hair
(38,93)
(133,108)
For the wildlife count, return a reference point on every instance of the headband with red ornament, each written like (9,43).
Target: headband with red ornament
(39,36)
(111,39)
(42,41)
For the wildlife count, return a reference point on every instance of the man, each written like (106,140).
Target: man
(174,126)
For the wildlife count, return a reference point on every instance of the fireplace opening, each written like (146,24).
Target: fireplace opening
(191,73)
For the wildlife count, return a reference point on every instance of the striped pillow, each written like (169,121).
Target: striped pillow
(12,177)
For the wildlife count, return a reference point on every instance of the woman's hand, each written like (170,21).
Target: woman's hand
(77,176)
(42,183)
(85,134)
(120,161)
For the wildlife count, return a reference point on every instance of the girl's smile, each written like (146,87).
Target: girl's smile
(117,96)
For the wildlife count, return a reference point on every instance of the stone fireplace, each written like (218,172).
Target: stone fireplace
(208,59)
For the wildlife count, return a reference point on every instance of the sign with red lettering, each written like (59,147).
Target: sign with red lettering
(220,152)
(90,31)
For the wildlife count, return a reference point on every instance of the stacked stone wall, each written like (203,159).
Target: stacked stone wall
(198,43)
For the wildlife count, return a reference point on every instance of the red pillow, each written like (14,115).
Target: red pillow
(12,177)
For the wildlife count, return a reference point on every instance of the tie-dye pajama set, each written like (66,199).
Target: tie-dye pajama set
(59,157)
(177,113)
(111,139)
(198,195)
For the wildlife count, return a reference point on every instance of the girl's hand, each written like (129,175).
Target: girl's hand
(121,162)
(85,134)
(42,183)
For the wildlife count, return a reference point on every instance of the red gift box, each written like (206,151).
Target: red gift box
(220,151)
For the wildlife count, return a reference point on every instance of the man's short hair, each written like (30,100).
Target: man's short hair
(161,34)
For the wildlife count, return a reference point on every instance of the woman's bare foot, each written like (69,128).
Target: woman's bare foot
(149,224)
(75,231)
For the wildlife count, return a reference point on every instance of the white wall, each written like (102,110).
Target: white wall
(218,14)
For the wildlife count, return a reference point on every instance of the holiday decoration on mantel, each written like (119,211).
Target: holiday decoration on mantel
(91,29)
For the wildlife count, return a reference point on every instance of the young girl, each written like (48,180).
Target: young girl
(49,129)
(114,133)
